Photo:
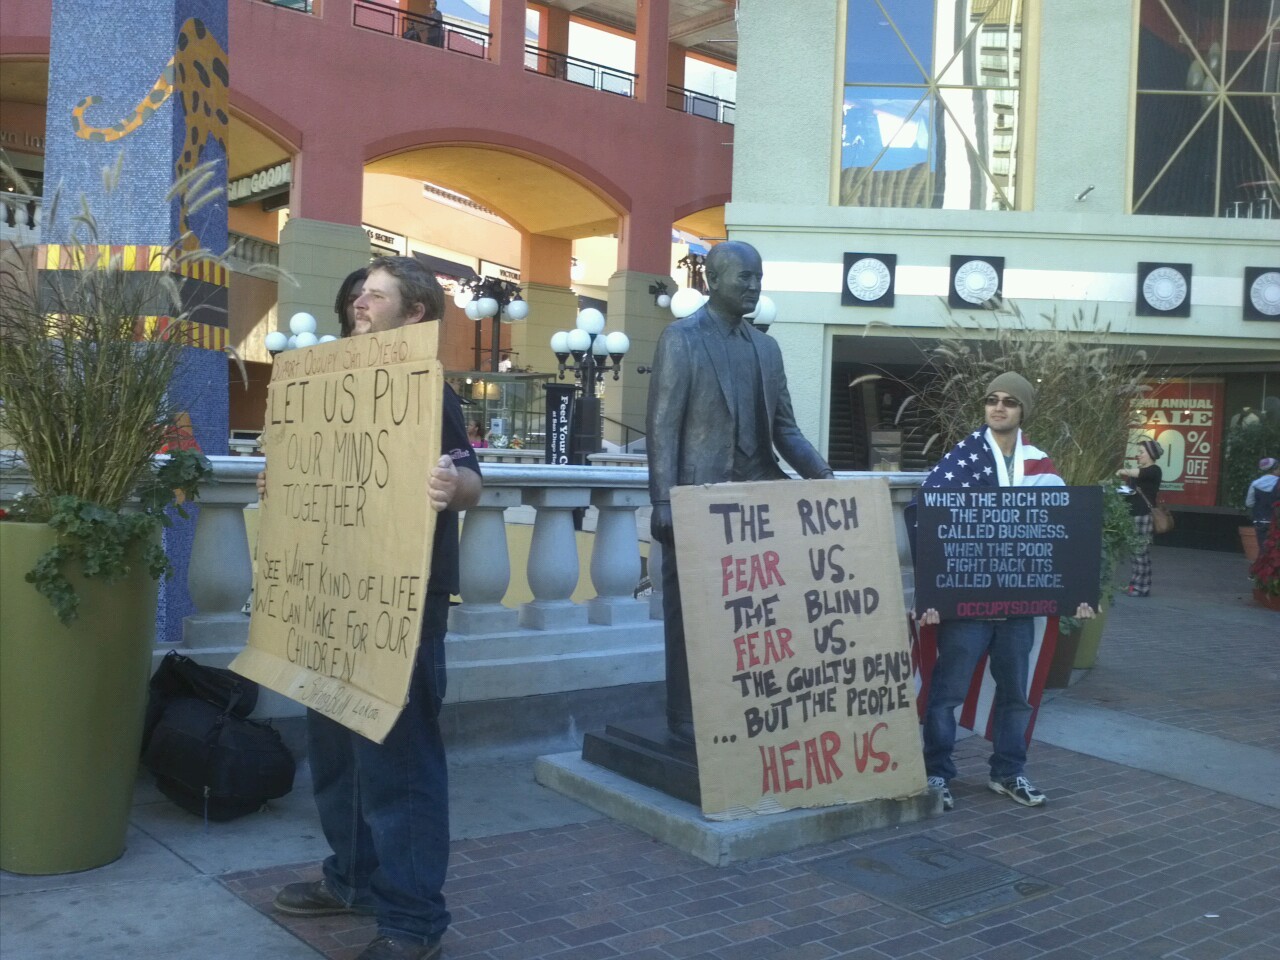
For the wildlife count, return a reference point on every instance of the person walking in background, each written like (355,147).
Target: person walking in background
(1262,496)
(1146,477)
(475,435)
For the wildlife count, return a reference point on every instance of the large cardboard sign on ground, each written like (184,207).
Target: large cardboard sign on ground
(344,543)
(799,666)
(1008,551)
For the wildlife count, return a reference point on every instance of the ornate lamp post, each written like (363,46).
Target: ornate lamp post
(495,298)
(594,354)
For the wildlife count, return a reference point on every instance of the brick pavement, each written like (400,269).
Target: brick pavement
(1144,866)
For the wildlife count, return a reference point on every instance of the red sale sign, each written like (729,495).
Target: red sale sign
(1185,417)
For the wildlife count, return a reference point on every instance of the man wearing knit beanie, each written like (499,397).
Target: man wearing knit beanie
(994,456)
(1015,385)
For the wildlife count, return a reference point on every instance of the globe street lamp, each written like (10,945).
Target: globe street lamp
(494,298)
(594,354)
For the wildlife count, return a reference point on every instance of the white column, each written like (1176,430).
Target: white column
(485,566)
(220,574)
(553,559)
(615,558)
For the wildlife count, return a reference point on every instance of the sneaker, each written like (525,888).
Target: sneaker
(939,784)
(311,899)
(389,948)
(1020,790)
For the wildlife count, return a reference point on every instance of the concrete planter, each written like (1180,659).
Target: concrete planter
(72,701)
(1270,601)
(1090,638)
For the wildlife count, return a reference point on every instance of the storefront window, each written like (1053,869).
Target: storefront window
(1208,99)
(931,102)
(507,409)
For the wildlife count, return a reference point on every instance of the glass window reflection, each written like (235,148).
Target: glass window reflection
(931,103)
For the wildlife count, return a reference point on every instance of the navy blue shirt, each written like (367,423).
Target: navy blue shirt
(444,551)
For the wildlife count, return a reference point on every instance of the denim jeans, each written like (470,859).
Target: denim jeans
(960,645)
(384,807)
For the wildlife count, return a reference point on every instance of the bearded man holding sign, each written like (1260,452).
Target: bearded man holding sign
(384,806)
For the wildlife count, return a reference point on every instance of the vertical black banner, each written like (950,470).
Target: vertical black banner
(560,422)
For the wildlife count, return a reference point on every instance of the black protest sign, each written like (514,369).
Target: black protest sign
(1008,551)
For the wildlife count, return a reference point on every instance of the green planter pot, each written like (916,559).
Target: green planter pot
(1090,638)
(72,701)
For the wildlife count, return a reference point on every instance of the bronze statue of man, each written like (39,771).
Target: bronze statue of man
(718,406)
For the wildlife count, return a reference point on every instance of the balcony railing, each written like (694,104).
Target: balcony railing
(244,252)
(412,27)
(584,628)
(585,73)
(301,6)
(700,104)
(20,218)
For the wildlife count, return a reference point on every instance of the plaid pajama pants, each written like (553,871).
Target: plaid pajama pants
(1140,582)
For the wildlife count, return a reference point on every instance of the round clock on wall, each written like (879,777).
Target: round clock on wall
(1164,289)
(1264,293)
(868,279)
(976,281)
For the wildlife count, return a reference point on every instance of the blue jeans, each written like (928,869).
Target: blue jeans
(384,807)
(960,645)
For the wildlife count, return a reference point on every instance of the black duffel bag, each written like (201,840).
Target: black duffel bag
(206,755)
(179,676)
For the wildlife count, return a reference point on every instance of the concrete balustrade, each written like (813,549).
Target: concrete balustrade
(495,649)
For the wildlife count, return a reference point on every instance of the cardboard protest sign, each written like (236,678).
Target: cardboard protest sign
(1008,551)
(799,666)
(344,543)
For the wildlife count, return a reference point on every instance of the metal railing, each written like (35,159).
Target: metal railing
(20,218)
(301,6)
(700,104)
(585,73)
(429,31)
(630,434)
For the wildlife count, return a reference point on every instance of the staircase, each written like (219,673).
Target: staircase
(847,447)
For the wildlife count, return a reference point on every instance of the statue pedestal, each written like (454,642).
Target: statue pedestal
(645,752)
(719,843)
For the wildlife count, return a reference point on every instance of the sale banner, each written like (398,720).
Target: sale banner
(1185,417)
(803,694)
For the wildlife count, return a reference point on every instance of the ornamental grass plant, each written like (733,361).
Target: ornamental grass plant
(87,357)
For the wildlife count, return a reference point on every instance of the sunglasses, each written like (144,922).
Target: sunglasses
(1009,403)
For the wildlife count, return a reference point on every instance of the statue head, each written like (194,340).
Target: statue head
(734,272)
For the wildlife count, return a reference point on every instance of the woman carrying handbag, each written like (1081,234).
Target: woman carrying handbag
(1146,478)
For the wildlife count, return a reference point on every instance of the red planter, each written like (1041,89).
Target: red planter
(1270,601)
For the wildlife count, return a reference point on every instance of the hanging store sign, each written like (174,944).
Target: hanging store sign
(384,241)
(264,183)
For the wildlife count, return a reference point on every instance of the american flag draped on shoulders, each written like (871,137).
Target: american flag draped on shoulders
(976,462)
(972,463)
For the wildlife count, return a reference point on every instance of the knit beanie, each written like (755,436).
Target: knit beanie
(1154,450)
(1015,385)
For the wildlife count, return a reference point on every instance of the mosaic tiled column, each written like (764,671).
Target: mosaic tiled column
(145,85)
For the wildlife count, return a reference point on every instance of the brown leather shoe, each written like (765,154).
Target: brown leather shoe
(389,948)
(311,899)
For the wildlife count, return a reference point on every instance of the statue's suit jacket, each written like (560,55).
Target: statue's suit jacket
(691,409)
